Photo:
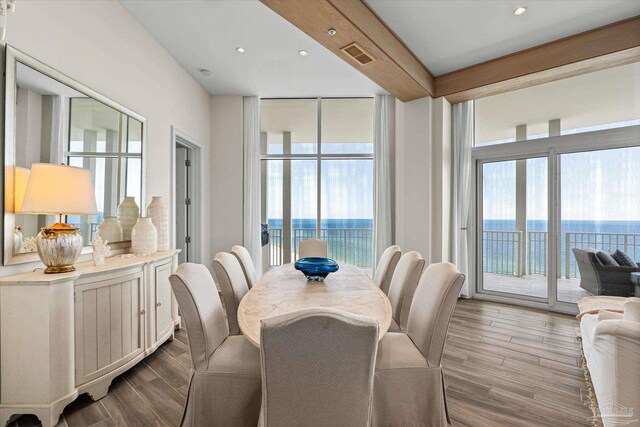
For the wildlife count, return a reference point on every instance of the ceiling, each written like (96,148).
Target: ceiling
(449,35)
(613,96)
(205,34)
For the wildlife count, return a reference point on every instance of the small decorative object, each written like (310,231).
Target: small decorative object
(160,218)
(144,237)
(110,229)
(17,239)
(128,213)
(28,245)
(100,250)
(316,269)
(59,189)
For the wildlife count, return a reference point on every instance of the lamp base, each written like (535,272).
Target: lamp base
(59,246)
(59,269)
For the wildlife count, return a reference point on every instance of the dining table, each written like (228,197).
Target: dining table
(284,289)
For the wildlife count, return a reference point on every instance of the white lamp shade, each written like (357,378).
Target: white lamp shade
(59,189)
(20,179)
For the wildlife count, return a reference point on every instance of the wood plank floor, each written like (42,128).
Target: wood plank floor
(504,366)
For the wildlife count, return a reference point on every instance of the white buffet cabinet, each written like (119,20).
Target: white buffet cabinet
(63,335)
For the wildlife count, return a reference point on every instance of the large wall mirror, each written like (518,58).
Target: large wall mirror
(51,118)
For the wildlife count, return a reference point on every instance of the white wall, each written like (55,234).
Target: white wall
(100,45)
(423,177)
(413,175)
(227,176)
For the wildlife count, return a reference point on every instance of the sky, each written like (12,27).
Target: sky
(595,186)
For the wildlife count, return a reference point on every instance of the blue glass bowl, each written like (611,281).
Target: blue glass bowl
(316,269)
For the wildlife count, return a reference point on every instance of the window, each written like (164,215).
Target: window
(109,144)
(317,166)
(600,100)
(540,203)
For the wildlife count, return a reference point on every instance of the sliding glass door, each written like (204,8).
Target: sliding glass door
(599,207)
(513,227)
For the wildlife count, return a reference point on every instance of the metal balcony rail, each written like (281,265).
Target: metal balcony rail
(348,245)
(502,251)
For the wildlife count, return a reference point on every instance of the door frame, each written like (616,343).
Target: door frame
(180,138)
(552,148)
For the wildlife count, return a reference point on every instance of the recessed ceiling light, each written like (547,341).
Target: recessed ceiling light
(303,53)
(205,72)
(332,31)
(520,11)
(240,50)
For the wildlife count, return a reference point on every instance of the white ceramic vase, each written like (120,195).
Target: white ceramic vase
(128,213)
(159,215)
(110,229)
(144,237)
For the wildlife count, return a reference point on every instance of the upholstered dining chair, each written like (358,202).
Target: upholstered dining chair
(386,266)
(313,248)
(317,368)
(225,384)
(233,286)
(249,270)
(402,287)
(409,385)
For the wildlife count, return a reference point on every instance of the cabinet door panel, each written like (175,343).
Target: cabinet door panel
(164,323)
(108,327)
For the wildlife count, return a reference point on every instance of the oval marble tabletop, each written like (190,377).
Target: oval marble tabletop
(284,289)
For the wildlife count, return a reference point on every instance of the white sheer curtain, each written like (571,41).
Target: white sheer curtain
(383,142)
(461,228)
(251,137)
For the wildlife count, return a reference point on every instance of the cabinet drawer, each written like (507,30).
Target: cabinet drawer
(109,324)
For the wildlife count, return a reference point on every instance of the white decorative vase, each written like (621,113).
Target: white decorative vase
(110,230)
(144,237)
(159,215)
(128,213)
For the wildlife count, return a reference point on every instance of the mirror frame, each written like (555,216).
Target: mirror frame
(12,57)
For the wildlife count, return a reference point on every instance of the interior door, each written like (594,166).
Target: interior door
(183,204)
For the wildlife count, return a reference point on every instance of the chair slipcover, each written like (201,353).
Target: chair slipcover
(409,385)
(317,368)
(402,287)
(313,248)
(225,384)
(386,267)
(249,270)
(233,286)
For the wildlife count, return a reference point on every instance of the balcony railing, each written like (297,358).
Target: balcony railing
(502,250)
(348,245)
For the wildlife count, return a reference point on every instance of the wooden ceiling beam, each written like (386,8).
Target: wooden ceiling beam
(600,48)
(396,68)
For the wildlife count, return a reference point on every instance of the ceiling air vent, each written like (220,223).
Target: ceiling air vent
(356,51)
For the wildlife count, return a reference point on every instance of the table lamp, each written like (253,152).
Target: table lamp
(59,190)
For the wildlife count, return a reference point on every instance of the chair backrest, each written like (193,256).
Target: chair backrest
(433,304)
(201,310)
(249,270)
(233,286)
(317,368)
(586,261)
(313,248)
(386,266)
(403,286)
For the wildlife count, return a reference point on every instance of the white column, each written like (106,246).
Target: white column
(521,202)
(555,129)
